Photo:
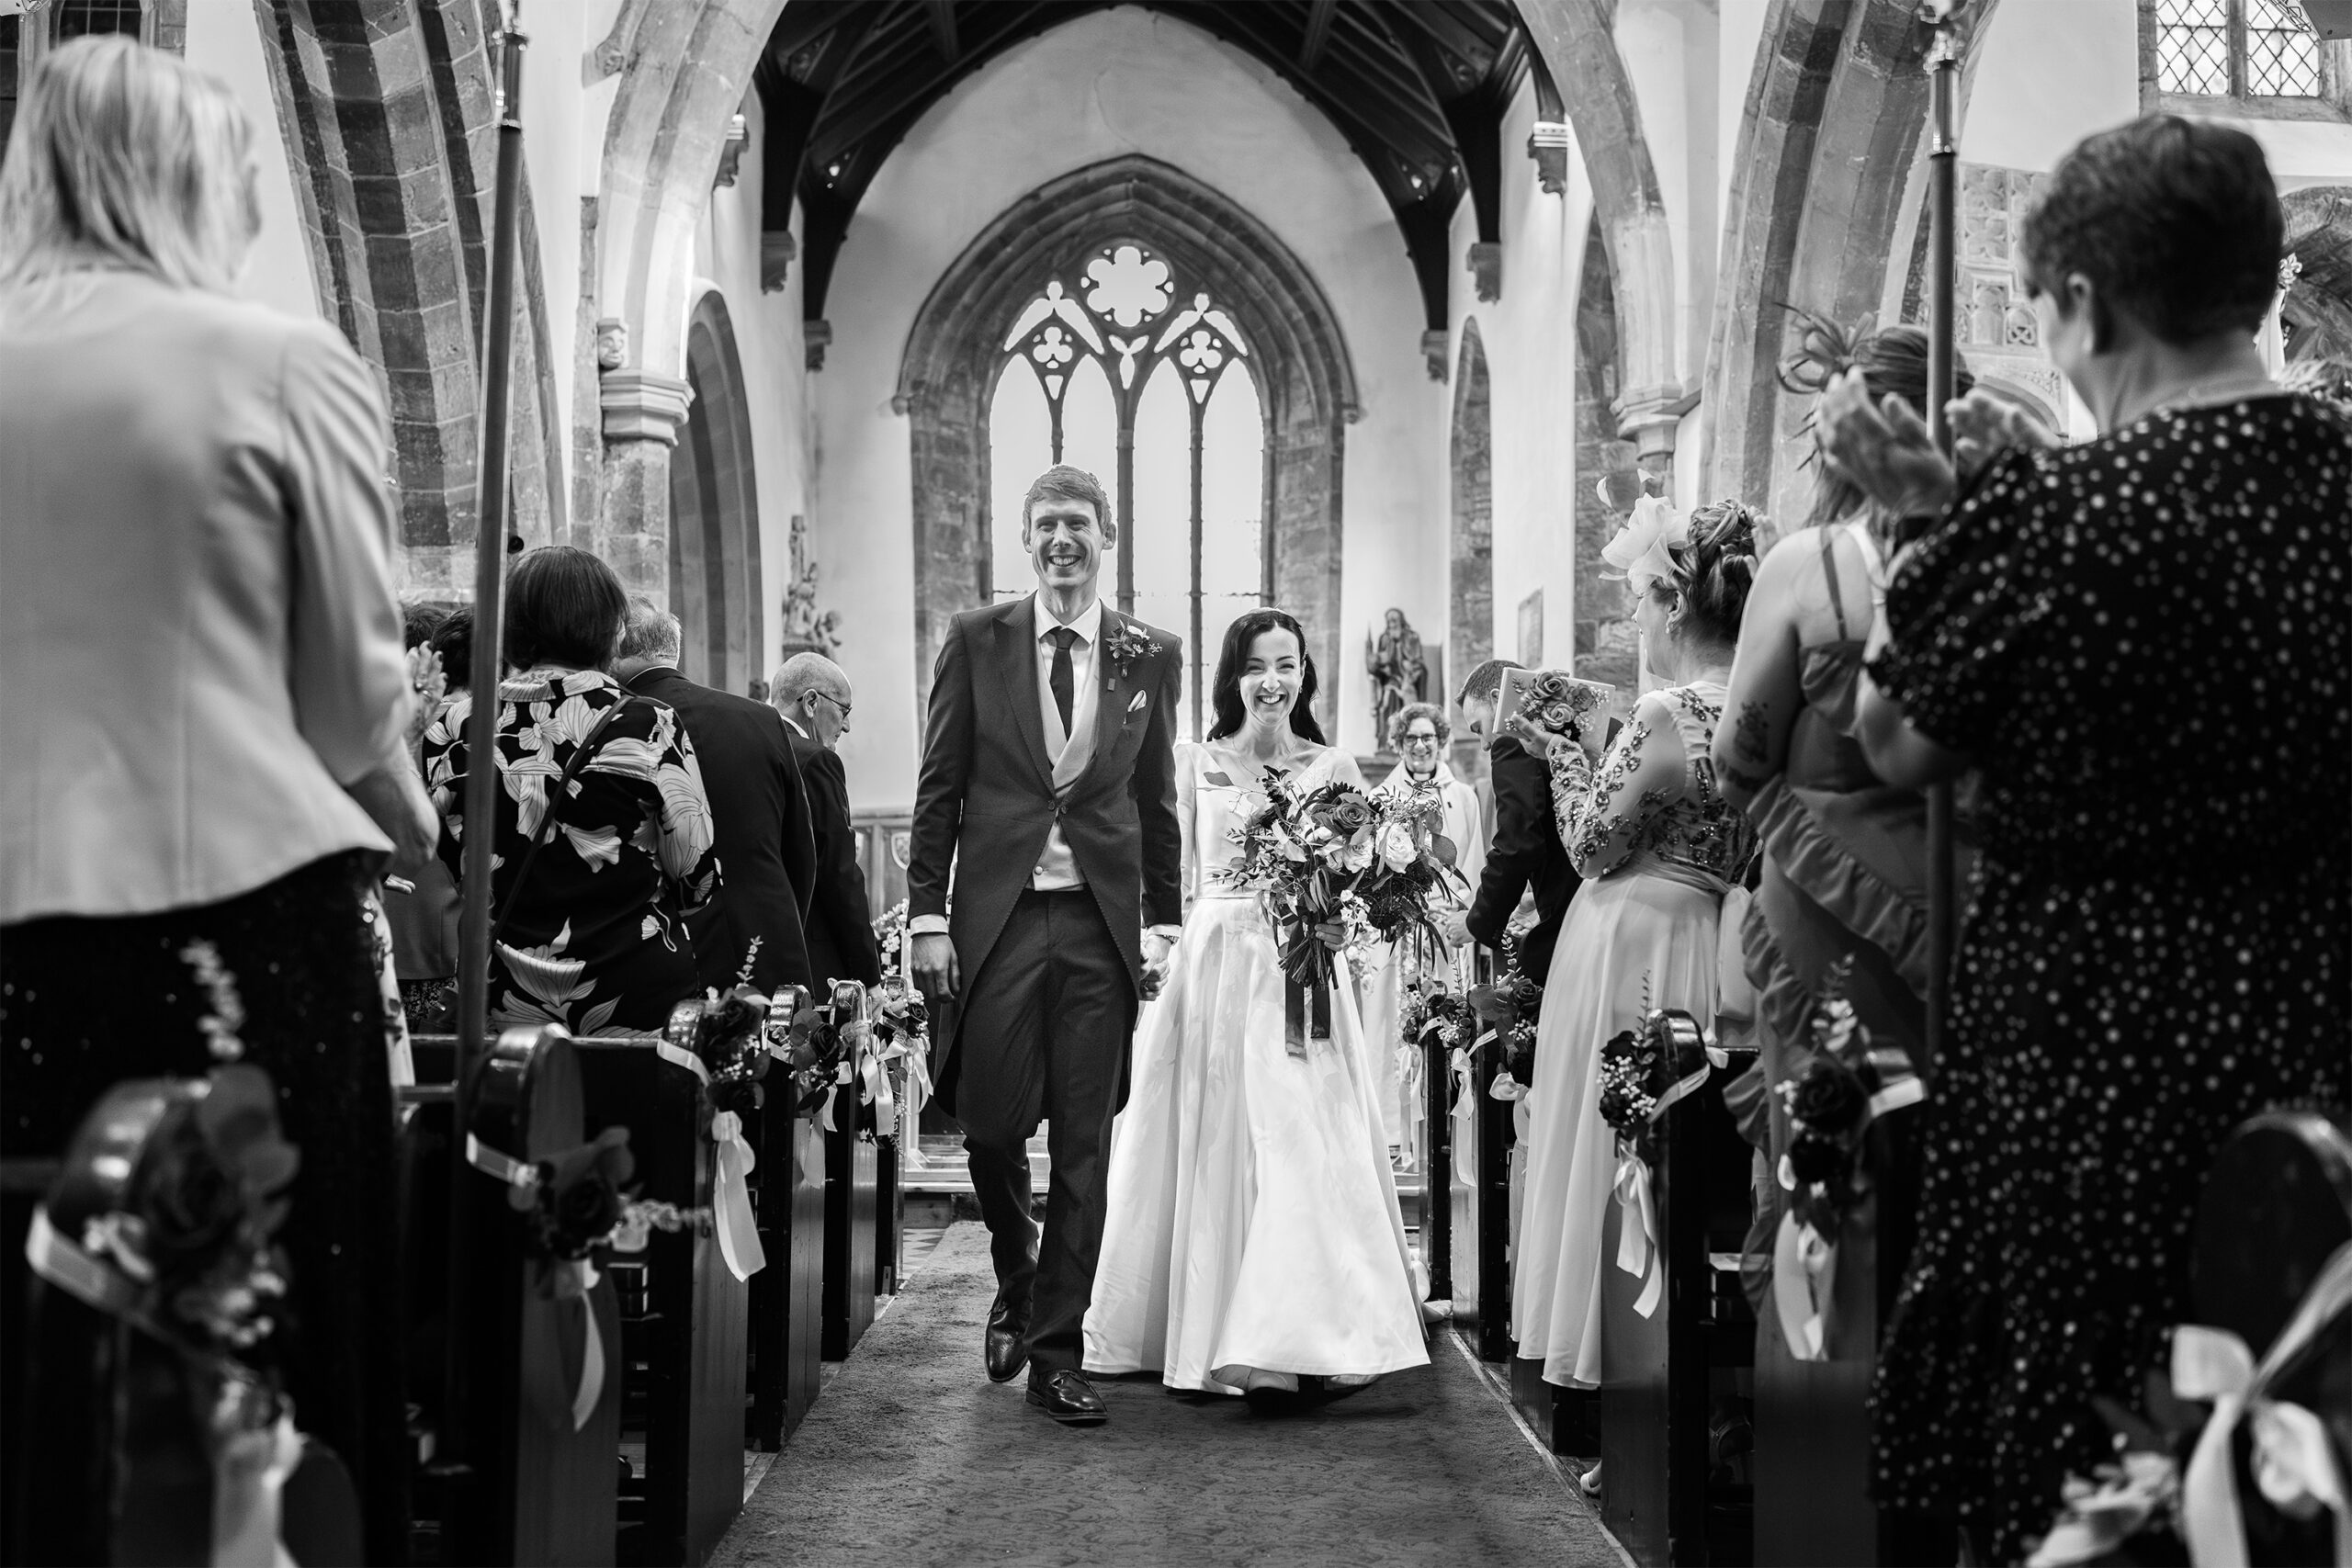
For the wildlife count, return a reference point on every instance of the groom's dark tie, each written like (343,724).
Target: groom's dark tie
(1060,679)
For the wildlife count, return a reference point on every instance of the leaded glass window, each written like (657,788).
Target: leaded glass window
(84,19)
(2281,54)
(1121,367)
(2263,49)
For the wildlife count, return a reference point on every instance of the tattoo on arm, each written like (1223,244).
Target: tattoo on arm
(1747,735)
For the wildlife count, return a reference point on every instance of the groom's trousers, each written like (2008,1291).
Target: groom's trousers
(1044,1034)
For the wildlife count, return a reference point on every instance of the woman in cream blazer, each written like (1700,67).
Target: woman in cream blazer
(202,709)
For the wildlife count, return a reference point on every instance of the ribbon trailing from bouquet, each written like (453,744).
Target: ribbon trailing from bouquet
(730,1198)
(1306,1008)
(499,1165)
(2294,1462)
(570,1279)
(1639,1251)
(249,1469)
(1804,1272)
(874,1067)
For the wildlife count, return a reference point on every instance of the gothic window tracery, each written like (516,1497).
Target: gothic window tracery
(1121,367)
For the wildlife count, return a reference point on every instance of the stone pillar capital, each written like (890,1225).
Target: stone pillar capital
(1487,267)
(642,405)
(1649,416)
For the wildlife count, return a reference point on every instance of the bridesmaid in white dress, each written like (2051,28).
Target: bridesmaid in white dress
(1657,846)
(1253,1239)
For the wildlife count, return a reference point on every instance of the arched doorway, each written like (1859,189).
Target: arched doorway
(714,517)
(1470,638)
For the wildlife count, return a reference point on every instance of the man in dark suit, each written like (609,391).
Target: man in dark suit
(813,695)
(1527,850)
(1049,785)
(760,825)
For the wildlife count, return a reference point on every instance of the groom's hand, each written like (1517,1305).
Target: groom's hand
(1156,949)
(932,958)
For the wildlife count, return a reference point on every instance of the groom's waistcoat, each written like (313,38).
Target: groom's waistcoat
(990,790)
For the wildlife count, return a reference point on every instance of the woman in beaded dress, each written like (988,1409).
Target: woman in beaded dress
(2158,944)
(1657,846)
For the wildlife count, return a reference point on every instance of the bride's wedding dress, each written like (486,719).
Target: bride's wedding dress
(1254,1225)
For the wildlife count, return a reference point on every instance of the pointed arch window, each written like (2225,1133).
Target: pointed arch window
(1122,367)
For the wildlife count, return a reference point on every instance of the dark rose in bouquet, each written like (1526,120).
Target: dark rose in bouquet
(1828,1100)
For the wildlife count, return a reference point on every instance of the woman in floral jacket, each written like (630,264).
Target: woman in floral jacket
(592,938)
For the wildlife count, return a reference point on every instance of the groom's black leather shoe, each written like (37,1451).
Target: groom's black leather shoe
(1067,1397)
(1007,1341)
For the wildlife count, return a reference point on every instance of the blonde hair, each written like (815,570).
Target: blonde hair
(123,155)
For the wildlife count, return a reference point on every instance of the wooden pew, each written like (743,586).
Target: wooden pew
(529,1484)
(1812,1428)
(786,1329)
(687,1354)
(1664,1376)
(852,1202)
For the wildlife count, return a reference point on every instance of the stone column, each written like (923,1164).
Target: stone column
(642,409)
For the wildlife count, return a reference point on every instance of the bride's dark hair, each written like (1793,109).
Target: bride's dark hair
(1225,694)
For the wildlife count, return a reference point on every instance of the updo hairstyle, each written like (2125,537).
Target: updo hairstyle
(1893,362)
(2175,220)
(1714,571)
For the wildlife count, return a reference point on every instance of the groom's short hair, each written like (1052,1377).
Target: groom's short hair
(1486,682)
(1063,482)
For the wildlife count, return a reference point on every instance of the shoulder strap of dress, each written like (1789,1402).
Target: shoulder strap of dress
(1829,575)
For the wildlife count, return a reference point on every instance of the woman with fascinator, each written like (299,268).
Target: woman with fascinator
(1658,846)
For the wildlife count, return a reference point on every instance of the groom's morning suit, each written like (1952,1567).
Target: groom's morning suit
(1065,846)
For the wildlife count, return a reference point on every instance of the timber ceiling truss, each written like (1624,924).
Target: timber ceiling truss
(1419,88)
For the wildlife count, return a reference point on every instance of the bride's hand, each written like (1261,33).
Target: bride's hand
(1538,740)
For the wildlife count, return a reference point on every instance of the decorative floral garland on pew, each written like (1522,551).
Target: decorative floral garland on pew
(1645,1073)
(1831,1103)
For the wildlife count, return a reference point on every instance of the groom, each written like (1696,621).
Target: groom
(1049,785)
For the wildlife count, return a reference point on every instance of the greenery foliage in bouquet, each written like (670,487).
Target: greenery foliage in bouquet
(1509,1007)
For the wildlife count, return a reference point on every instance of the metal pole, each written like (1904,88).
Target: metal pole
(453,1439)
(1943,156)
(1200,410)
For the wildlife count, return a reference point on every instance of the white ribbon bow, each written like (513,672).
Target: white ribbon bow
(1638,1252)
(248,1476)
(1804,1272)
(2293,1463)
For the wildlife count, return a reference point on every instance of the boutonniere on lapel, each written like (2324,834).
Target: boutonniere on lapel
(1126,644)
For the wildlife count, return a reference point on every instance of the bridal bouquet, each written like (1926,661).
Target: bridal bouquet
(1336,867)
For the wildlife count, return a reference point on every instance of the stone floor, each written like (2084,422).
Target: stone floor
(912,1457)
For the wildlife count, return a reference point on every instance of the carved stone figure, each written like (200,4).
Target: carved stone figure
(1399,673)
(806,628)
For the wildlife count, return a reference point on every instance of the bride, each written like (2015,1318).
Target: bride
(1253,1244)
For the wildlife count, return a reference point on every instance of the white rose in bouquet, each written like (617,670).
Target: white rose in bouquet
(1397,849)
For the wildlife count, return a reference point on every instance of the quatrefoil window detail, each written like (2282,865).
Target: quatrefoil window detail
(1127,286)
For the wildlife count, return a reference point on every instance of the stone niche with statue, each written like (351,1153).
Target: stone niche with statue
(805,628)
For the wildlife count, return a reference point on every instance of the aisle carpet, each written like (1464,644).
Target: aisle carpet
(912,1457)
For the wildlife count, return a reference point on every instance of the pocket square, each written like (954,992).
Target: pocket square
(1141,697)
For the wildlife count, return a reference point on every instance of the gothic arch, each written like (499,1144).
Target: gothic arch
(1470,633)
(1822,187)
(1306,385)
(385,109)
(1605,646)
(714,514)
(1577,40)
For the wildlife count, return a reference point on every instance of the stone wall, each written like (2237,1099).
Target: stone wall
(1471,536)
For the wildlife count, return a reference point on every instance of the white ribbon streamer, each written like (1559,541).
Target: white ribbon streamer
(730,1199)
(1638,1250)
(1804,1272)
(249,1475)
(2293,1463)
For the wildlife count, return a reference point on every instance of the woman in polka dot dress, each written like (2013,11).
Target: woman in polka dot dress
(2144,644)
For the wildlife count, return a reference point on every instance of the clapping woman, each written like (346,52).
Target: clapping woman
(2160,942)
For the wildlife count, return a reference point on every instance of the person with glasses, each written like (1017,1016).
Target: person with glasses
(813,695)
(1420,733)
